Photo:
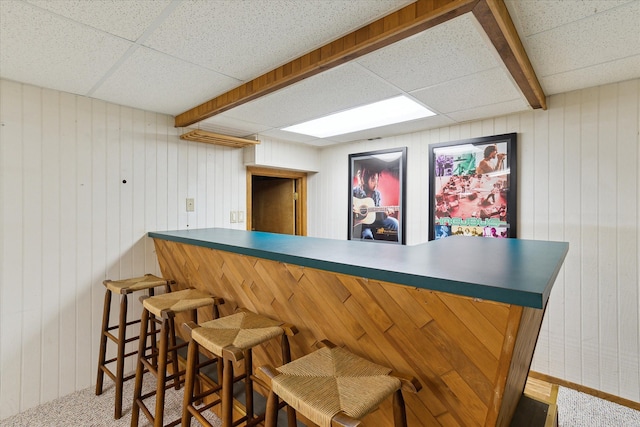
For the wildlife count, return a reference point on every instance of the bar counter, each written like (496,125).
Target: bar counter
(461,314)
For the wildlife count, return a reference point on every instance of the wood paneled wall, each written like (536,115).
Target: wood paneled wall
(67,222)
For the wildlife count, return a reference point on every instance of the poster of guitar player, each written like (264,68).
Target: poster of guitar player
(473,188)
(376,195)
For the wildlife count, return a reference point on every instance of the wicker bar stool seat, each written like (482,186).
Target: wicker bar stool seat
(165,307)
(123,288)
(333,386)
(232,338)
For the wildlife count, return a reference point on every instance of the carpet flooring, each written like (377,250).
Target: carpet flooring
(577,409)
(85,409)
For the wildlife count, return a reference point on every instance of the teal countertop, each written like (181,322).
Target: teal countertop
(513,271)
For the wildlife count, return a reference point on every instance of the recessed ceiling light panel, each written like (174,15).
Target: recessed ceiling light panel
(382,113)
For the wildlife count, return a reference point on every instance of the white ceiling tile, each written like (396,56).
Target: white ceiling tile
(127,19)
(487,111)
(445,52)
(480,89)
(222,123)
(53,44)
(596,75)
(138,82)
(597,39)
(249,38)
(533,17)
(338,89)
(290,136)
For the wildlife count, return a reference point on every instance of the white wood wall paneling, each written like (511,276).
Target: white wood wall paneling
(82,207)
(224,175)
(568,106)
(555,147)
(68,244)
(125,207)
(32,233)
(200,190)
(51,245)
(589,218)
(72,222)
(98,219)
(12,248)
(31,292)
(540,208)
(628,218)
(138,195)
(606,206)
(114,175)
(152,187)
(215,187)
(173,189)
(161,208)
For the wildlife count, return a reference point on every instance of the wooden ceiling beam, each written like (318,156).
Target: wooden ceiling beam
(410,20)
(496,22)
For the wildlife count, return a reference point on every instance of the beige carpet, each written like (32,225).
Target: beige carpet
(85,409)
(576,409)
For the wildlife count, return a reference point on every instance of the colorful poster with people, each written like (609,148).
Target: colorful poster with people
(472,188)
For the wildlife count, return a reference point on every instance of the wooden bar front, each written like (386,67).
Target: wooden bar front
(471,354)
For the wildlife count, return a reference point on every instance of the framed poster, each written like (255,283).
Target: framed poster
(376,195)
(472,187)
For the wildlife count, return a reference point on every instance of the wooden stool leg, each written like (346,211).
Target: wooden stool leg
(248,383)
(189,384)
(162,372)
(399,410)
(103,341)
(137,389)
(286,358)
(174,353)
(227,393)
(153,332)
(122,338)
(271,416)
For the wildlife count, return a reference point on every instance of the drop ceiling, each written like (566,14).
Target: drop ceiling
(169,56)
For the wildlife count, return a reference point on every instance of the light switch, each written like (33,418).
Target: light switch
(191,205)
(240,216)
(234,216)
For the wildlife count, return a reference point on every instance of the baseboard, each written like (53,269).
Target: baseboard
(587,390)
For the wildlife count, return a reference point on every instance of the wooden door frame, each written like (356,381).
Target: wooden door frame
(301,188)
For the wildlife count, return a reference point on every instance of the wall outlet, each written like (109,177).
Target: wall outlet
(233,217)
(191,205)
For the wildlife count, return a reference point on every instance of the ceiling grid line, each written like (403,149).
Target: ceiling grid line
(136,44)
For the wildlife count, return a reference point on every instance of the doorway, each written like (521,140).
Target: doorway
(276,201)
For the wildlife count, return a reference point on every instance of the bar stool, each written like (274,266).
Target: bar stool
(165,307)
(123,288)
(333,386)
(232,338)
